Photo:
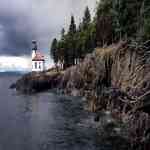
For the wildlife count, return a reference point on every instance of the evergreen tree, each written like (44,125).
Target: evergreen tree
(62,53)
(72,27)
(71,42)
(104,22)
(121,19)
(54,52)
(62,33)
(86,18)
(76,43)
(146,16)
(115,20)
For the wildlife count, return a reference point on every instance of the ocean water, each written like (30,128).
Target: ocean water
(43,121)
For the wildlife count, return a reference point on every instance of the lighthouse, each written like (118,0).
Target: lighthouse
(34,49)
(38,61)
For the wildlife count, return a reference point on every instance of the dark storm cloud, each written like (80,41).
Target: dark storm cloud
(15,33)
(16,38)
(21,21)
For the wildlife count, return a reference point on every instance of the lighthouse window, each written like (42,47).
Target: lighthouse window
(35,65)
(39,65)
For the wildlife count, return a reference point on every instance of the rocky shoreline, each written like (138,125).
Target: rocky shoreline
(37,82)
(114,79)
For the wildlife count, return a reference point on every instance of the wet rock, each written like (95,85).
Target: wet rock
(12,86)
(36,82)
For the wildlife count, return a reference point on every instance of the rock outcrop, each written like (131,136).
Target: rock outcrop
(38,81)
(116,79)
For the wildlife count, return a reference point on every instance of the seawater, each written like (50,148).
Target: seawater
(43,121)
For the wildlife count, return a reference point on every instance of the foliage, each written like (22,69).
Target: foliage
(86,18)
(122,19)
(115,20)
(77,42)
(53,51)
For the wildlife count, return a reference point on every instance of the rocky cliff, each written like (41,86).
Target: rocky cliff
(116,79)
(121,66)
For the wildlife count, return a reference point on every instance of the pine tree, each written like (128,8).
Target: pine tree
(71,42)
(146,19)
(62,33)
(76,43)
(104,23)
(53,51)
(86,18)
(72,27)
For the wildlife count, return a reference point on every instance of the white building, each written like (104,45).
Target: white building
(38,61)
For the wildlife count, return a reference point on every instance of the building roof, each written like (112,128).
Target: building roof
(38,57)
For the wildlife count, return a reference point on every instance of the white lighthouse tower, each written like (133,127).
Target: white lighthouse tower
(38,61)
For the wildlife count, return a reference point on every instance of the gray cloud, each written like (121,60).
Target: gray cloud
(21,21)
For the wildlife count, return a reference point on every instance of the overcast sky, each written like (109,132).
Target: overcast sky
(21,21)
